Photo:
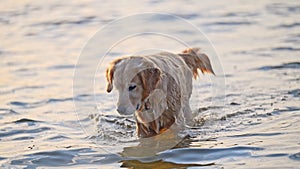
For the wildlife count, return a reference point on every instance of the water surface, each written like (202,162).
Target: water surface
(256,126)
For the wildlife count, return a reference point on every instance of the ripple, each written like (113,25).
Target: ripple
(113,129)
(8,111)
(163,18)
(291,25)
(291,65)
(276,155)
(53,100)
(56,67)
(40,103)
(25,120)
(65,158)
(295,92)
(282,9)
(17,103)
(202,155)
(24,138)
(237,113)
(286,109)
(28,87)
(188,16)
(26,104)
(295,156)
(256,134)
(59,137)
(232,23)
(53,158)
(30,143)
(15,132)
(285,49)
(241,14)
(81,21)
(293,38)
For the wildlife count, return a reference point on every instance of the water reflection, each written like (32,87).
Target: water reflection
(257,126)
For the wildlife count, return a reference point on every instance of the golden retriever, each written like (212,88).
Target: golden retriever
(156,88)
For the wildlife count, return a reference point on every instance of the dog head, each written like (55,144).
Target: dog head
(134,78)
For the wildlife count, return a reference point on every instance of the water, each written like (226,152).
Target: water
(257,126)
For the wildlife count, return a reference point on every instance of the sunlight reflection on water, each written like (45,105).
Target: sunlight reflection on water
(258,47)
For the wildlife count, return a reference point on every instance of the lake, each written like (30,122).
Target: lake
(55,112)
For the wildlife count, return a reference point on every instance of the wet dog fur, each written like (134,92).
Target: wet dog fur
(156,88)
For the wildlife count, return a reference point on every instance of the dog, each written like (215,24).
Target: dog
(156,88)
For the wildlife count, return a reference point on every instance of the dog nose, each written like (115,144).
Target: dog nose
(121,110)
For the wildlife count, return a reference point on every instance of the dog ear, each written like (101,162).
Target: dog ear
(149,78)
(110,74)
(191,50)
(196,60)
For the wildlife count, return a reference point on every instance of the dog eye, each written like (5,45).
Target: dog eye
(130,88)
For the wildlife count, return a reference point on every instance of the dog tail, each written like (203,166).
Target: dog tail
(196,60)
